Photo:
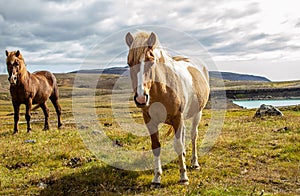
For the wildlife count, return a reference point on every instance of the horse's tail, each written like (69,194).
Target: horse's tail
(171,131)
(55,92)
(35,107)
(206,74)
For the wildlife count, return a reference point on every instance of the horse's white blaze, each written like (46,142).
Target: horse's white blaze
(13,78)
(140,78)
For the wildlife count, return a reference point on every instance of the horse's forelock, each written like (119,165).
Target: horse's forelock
(139,46)
(15,55)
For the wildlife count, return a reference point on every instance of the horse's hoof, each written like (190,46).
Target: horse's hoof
(46,129)
(15,132)
(184,182)
(155,185)
(60,126)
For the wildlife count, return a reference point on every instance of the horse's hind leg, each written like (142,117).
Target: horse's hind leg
(28,114)
(54,100)
(179,142)
(194,135)
(46,114)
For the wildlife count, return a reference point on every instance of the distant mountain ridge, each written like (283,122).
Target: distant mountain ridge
(237,77)
(212,74)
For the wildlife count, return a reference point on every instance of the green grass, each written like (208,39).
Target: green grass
(250,157)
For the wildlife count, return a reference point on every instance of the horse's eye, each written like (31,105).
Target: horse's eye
(16,63)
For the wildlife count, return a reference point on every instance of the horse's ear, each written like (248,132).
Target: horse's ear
(151,40)
(17,53)
(6,52)
(129,39)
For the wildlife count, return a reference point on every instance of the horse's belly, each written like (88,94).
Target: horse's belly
(194,90)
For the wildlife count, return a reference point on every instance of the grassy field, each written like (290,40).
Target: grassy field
(251,156)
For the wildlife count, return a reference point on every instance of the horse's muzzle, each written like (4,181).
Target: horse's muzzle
(141,101)
(12,80)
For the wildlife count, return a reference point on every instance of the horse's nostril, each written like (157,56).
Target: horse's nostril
(15,77)
(141,100)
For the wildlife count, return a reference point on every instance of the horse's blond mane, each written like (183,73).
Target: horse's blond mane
(181,58)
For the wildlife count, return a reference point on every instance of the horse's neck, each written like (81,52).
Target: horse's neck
(24,75)
(164,72)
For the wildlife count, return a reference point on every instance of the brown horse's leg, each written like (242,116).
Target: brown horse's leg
(54,100)
(46,114)
(16,116)
(179,145)
(28,114)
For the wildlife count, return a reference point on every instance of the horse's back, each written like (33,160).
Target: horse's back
(195,86)
(47,84)
(47,76)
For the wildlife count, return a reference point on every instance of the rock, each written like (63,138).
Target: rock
(30,141)
(117,143)
(42,185)
(108,124)
(267,110)
(284,129)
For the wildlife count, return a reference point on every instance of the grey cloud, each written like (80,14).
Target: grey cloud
(230,13)
(298,23)
(73,34)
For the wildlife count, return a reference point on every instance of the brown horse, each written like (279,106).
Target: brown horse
(168,90)
(30,88)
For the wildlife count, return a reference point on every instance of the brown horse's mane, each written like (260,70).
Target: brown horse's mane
(20,57)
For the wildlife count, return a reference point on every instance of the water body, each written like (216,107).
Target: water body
(249,104)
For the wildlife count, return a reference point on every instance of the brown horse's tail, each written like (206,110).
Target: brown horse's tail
(55,93)
(35,107)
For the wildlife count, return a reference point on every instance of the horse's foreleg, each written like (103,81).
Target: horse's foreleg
(46,114)
(152,126)
(157,163)
(28,114)
(194,135)
(179,142)
(16,116)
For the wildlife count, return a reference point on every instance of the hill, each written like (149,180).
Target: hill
(213,74)
(237,77)
(111,70)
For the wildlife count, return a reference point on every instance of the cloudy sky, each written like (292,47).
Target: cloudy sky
(260,37)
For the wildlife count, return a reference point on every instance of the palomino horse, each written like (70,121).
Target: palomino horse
(173,83)
(30,88)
